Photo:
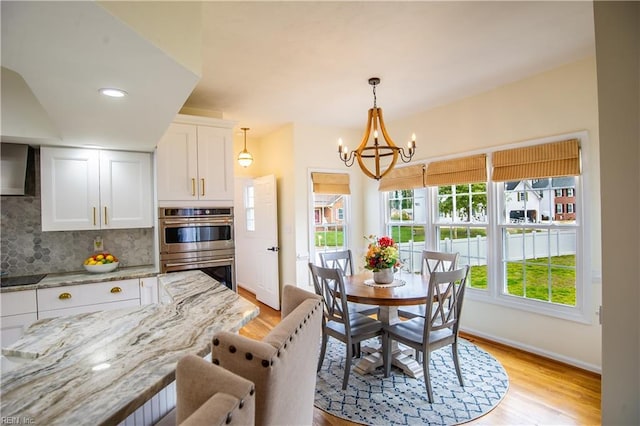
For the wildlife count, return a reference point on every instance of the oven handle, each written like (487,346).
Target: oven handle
(172,265)
(197,221)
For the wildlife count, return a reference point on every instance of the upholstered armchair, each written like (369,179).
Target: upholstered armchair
(208,394)
(282,366)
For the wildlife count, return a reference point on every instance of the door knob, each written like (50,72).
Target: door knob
(274,249)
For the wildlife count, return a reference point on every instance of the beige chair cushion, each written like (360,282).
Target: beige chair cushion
(208,394)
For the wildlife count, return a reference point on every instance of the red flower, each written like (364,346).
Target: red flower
(385,242)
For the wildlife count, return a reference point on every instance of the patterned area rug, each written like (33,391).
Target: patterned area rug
(401,400)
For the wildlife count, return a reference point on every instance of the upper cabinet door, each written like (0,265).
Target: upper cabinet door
(215,169)
(125,190)
(195,163)
(177,163)
(90,189)
(70,188)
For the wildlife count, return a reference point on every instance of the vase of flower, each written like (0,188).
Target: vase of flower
(382,256)
(383,276)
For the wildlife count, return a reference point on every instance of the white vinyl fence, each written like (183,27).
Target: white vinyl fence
(473,251)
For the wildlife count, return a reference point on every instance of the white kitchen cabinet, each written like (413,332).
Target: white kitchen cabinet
(19,311)
(75,299)
(149,290)
(195,162)
(85,189)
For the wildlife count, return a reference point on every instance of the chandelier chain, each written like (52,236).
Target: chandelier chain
(374,95)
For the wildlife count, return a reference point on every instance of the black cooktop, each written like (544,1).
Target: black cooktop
(21,280)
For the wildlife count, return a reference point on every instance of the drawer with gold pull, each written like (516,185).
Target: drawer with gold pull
(78,295)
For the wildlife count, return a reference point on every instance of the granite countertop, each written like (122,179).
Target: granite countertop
(57,383)
(84,277)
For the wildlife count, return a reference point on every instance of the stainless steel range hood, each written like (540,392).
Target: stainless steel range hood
(17,168)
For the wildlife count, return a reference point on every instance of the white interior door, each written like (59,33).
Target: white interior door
(257,239)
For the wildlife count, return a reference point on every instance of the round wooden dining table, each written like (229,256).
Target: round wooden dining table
(407,289)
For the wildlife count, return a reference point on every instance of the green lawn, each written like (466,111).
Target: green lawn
(562,271)
(453,233)
(330,239)
(403,234)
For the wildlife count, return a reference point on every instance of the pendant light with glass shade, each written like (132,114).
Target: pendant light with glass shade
(245,158)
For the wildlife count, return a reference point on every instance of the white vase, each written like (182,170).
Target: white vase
(383,276)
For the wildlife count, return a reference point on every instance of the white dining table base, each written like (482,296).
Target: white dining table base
(401,356)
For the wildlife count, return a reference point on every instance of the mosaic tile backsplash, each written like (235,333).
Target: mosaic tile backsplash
(26,250)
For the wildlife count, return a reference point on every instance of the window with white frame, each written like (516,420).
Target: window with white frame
(330,199)
(460,226)
(406,224)
(525,248)
(539,254)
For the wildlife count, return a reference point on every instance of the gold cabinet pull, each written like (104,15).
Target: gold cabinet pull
(94,216)
(193,187)
(105,215)
(202,186)
(116,290)
(64,296)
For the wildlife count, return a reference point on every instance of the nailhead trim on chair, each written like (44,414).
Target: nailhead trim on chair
(240,405)
(265,362)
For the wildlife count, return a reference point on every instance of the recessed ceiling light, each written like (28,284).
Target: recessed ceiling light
(113,93)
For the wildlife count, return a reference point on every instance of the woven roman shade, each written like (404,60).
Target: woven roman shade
(331,183)
(540,161)
(403,178)
(459,170)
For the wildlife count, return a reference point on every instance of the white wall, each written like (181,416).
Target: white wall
(273,154)
(24,120)
(316,149)
(559,101)
(617,31)
(555,102)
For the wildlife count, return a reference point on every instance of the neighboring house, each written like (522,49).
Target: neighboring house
(564,198)
(523,202)
(538,199)
(329,209)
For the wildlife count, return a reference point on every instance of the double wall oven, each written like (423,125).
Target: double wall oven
(198,238)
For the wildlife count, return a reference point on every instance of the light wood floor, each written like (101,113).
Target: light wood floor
(541,391)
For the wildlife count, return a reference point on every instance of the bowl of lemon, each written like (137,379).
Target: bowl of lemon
(101,262)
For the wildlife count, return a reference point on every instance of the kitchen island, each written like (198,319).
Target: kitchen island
(97,368)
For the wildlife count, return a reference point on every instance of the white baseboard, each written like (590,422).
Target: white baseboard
(527,348)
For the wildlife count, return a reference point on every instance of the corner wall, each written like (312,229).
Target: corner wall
(617,30)
(555,102)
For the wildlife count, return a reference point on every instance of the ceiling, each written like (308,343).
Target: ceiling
(265,64)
